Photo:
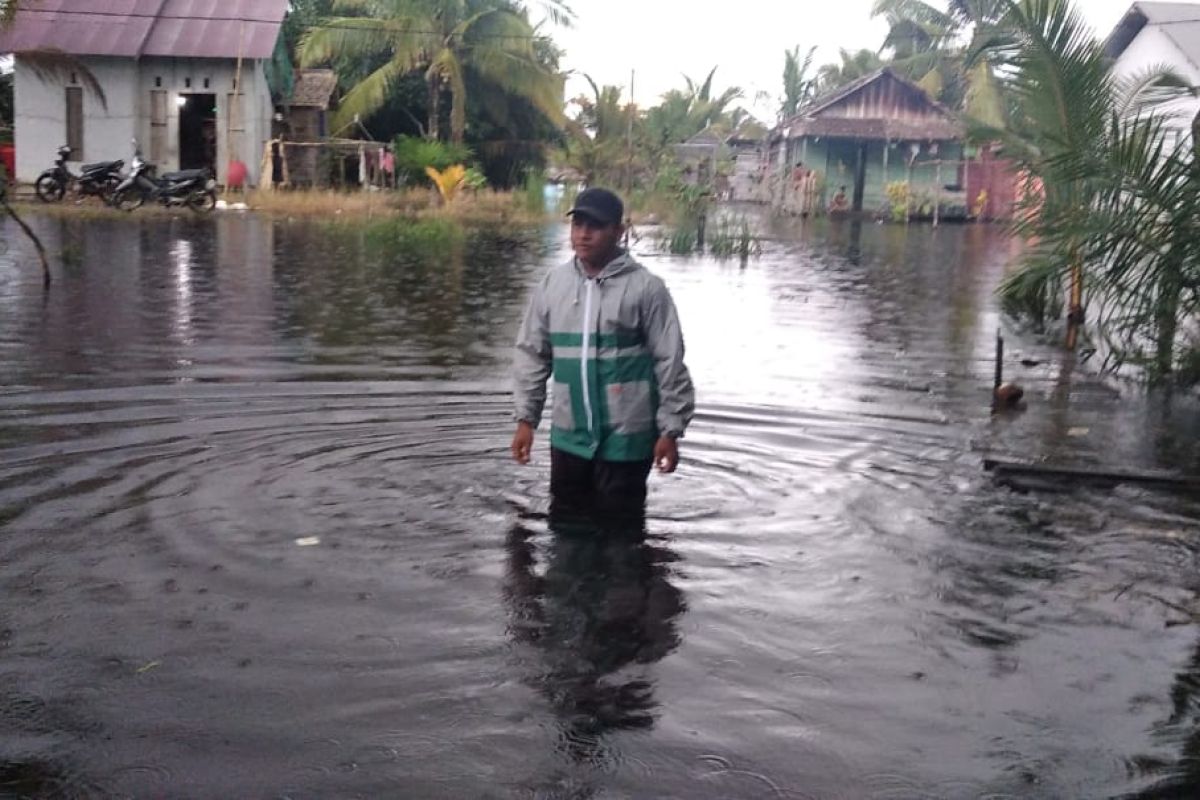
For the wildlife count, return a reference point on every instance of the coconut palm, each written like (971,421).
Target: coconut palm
(681,114)
(595,145)
(851,67)
(447,39)
(798,86)
(931,46)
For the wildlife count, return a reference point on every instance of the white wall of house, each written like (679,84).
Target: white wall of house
(41,116)
(183,76)
(1152,47)
(41,112)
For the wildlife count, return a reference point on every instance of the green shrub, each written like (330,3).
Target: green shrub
(414,154)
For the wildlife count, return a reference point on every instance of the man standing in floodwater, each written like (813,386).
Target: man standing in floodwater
(607,331)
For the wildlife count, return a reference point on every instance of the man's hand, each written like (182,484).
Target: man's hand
(522,442)
(666,454)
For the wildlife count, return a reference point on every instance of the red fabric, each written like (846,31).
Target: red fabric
(236,177)
(8,156)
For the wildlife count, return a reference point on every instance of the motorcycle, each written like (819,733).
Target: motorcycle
(194,188)
(95,180)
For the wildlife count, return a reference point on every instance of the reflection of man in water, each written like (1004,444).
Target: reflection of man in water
(601,607)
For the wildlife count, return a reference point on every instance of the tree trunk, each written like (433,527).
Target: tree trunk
(435,108)
(1196,142)
(1166,314)
(1075,308)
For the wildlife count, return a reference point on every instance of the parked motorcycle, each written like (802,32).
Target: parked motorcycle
(95,180)
(194,188)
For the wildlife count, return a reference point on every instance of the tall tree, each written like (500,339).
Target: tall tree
(595,144)
(681,114)
(932,47)
(447,39)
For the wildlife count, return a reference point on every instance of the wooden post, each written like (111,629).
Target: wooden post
(937,194)
(806,186)
(887,145)
(999,376)
(966,161)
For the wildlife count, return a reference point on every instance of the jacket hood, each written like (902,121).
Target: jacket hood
(621,264)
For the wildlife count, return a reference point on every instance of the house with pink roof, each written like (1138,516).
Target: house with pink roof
(187,79)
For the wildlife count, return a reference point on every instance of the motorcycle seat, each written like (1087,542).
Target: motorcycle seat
(185,175)
(103,166)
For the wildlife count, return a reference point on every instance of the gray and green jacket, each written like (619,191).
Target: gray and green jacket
(614,348)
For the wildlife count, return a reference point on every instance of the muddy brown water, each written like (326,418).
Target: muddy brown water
(260,536)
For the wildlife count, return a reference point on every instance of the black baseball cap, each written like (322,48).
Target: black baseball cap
(601,205)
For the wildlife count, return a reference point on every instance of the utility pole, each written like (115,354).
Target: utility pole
(629,138)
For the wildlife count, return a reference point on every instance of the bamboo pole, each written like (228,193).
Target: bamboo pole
(235,105)
(998,378)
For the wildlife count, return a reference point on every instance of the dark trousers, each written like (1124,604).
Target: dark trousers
(580,485)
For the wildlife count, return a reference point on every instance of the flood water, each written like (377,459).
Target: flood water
(260,536)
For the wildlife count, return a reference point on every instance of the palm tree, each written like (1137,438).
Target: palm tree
(681,114)
(595,140)
(447,39)
(1142,239)
(798,87)
(1073,132)
(852,67)
(932,47)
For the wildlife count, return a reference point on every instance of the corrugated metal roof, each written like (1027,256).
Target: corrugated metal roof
(181,28)
(881,105)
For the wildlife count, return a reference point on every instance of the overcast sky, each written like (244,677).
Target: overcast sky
(664,39)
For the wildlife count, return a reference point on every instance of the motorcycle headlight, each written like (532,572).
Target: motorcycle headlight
(211,185)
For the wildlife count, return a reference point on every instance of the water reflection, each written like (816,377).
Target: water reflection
(597,603)
(867,613)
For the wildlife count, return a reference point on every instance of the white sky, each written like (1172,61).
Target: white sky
(665,39)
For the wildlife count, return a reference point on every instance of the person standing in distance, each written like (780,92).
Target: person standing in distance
(606,331)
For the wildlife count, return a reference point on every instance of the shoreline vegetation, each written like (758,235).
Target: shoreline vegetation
(486,207)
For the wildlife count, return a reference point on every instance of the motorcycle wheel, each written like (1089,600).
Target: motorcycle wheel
(49,188)
(108,191)
(128,200)
(202,202)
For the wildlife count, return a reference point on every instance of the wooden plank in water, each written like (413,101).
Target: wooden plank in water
(1017,469)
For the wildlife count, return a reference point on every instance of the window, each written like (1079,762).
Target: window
(158,126)
(75,122)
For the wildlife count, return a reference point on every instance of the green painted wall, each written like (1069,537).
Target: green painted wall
(835,159)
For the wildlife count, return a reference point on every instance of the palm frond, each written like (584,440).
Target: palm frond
(919,12)
(50,65)
(356,37)
(1149,89)
(368,95)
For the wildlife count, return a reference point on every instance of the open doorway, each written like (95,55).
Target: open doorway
(197,131)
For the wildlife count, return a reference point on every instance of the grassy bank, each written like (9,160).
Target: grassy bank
(478,208)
